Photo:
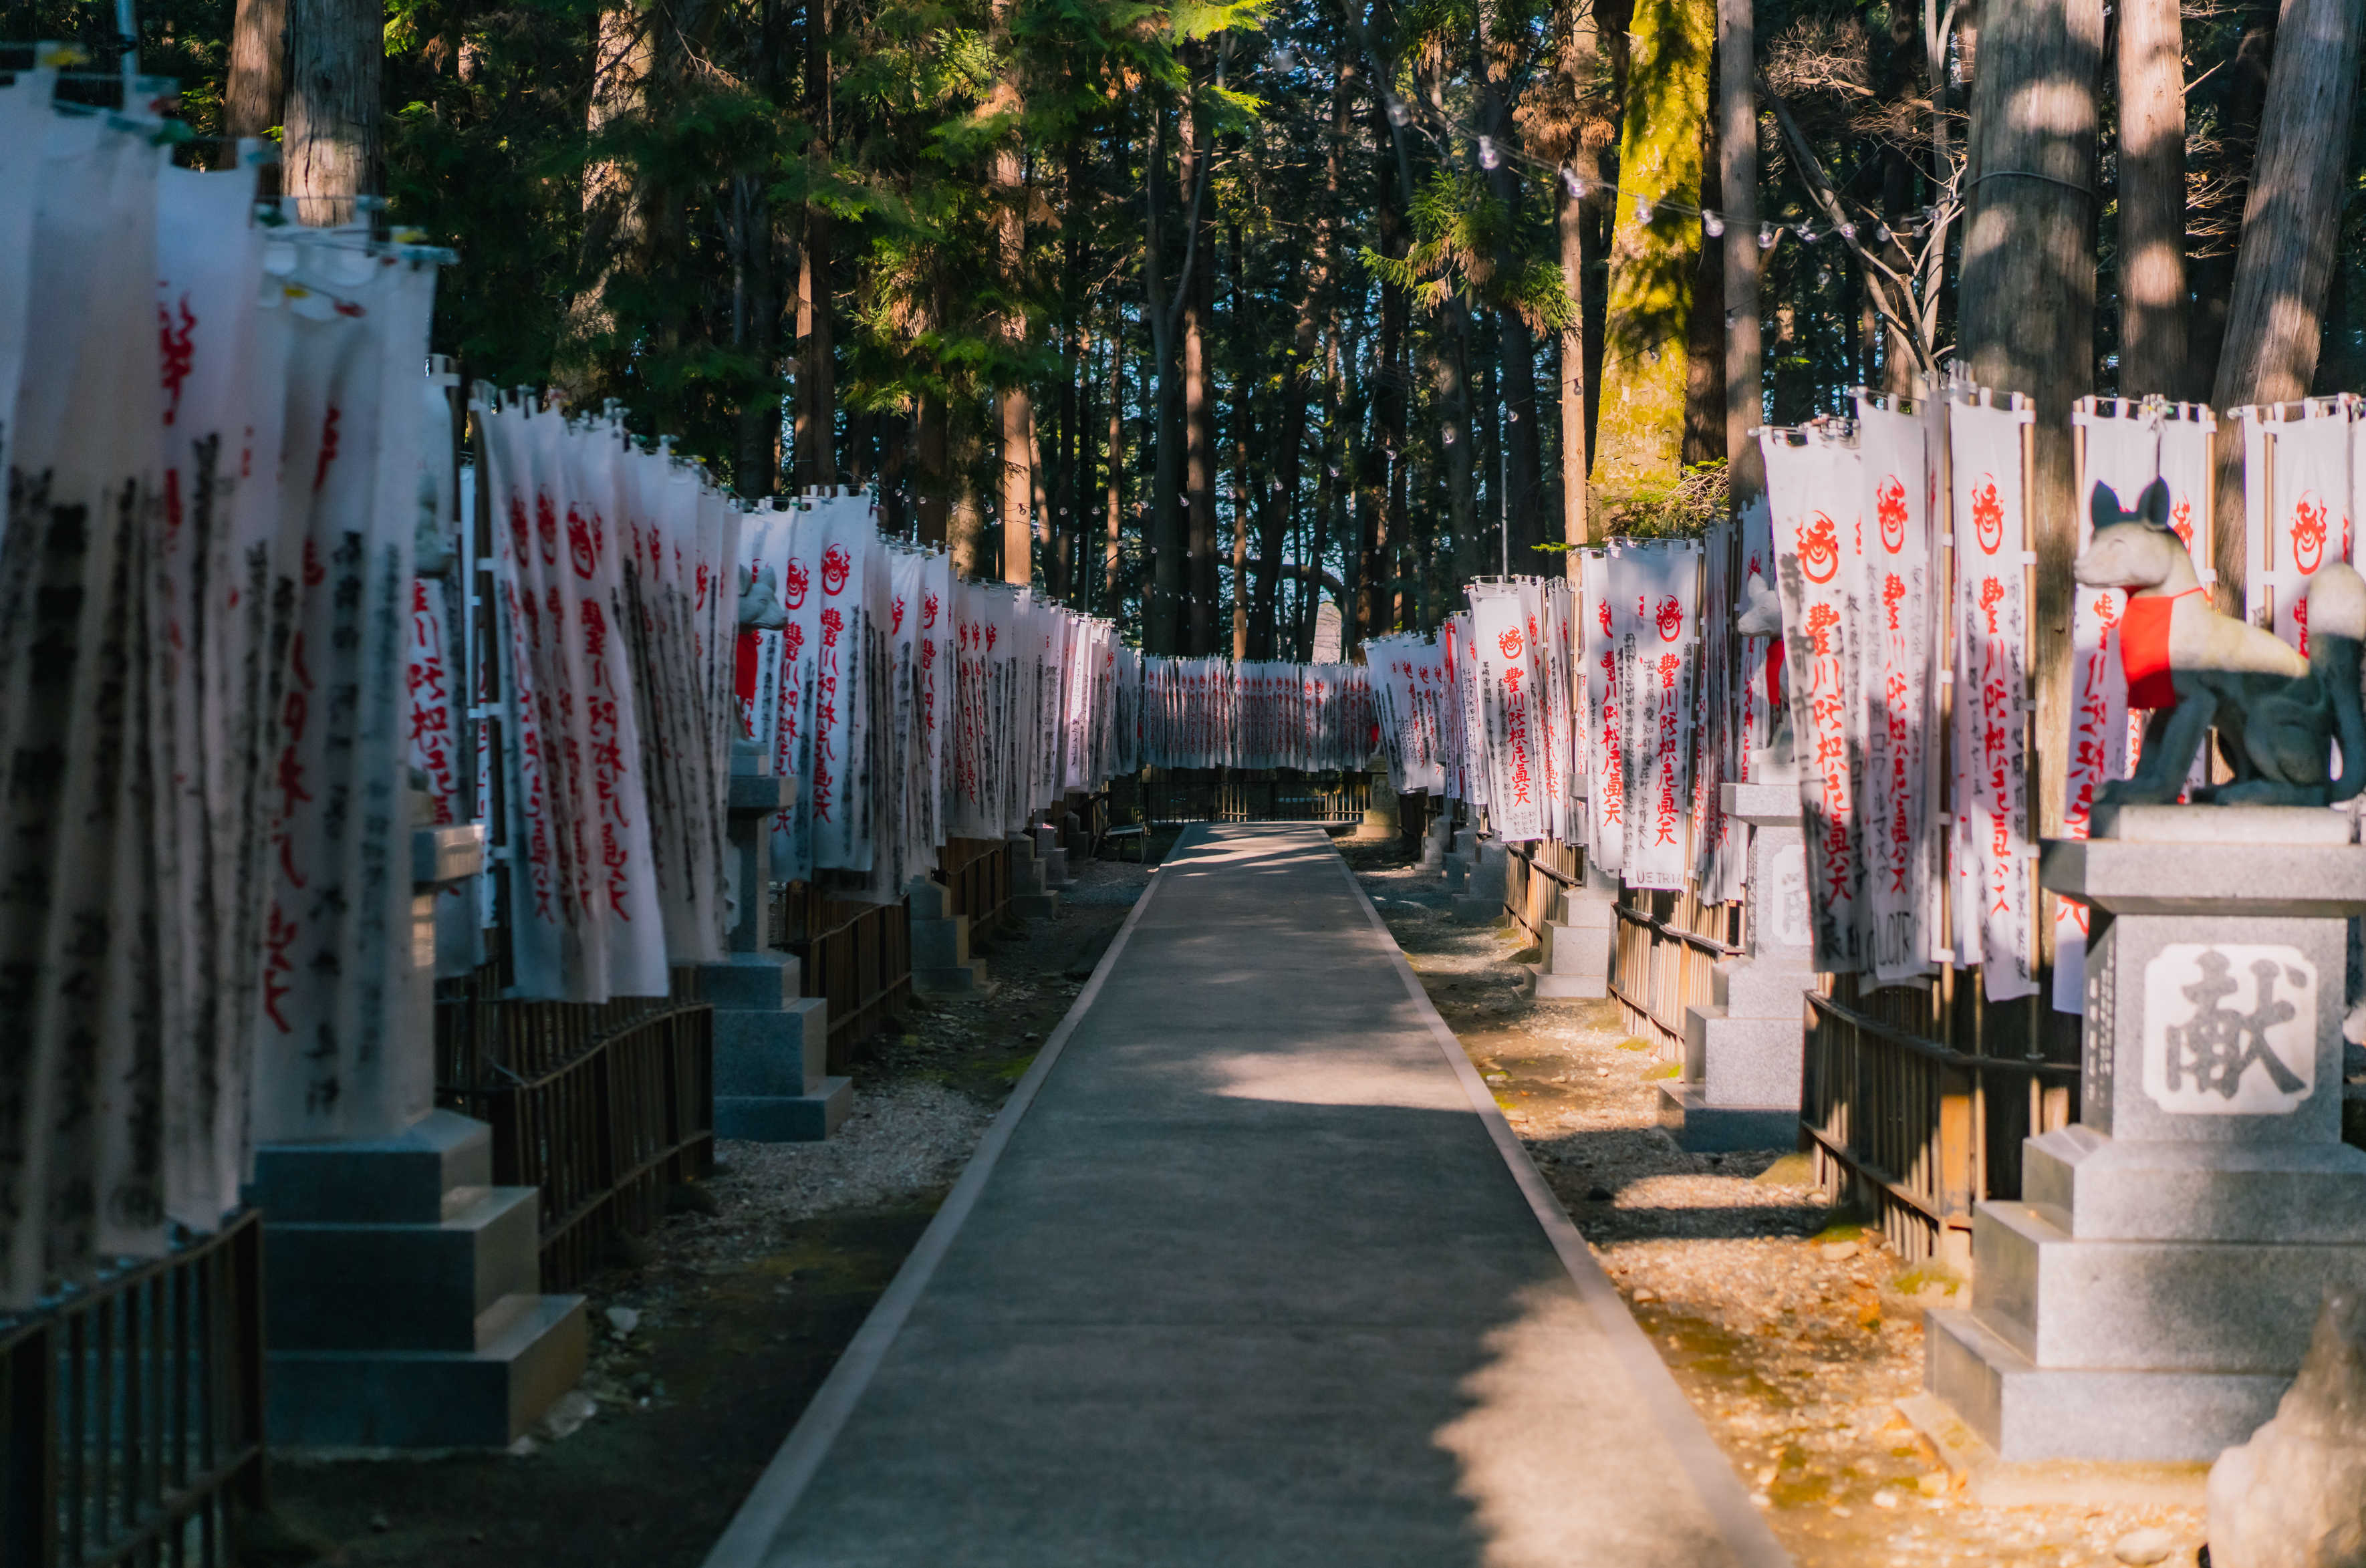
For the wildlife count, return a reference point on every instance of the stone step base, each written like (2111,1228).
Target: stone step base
(1752,1061)
(2048,1483)
(2199,1307)
(1477,911)
(400,1287)
(1547,987)
(1685,1114)
(1035,905)
(784,1118)
(952,980)
(429,1399)
(2025,1411)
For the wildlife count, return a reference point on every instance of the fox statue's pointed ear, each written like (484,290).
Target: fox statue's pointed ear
(2153,504)
(2104,506)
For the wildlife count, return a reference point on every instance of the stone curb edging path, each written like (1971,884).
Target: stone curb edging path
(1249,1286)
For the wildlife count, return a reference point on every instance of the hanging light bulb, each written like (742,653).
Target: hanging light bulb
(1882,235)
(1488,157)
(1285,59)
(1767,234)
(1806,233)
(1398,114)
(1847,231)
(1714,224)
(1642,209)
(1571,183)
(1448,436)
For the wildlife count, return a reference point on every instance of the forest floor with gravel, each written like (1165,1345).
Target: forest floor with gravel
(1794,1332)
(708,1343)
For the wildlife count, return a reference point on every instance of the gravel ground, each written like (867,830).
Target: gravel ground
(1794,1332)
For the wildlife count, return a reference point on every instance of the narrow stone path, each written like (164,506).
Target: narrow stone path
(1250,1272)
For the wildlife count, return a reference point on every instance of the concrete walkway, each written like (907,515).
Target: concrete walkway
(1250,1272)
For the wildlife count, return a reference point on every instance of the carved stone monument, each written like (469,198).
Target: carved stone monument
(2150,1295)
(1741,1083)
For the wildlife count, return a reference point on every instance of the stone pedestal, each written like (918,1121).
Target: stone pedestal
(402,1304)
(772,1043)
(1742,1052)
(1578,946)
(1031,894)
(1460,856)
(1053,856)
(942,965)
(2150,1295)
(1481,900)
(1380,821)
(1436,838)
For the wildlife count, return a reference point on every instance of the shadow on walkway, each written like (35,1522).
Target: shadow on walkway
(1251,1282)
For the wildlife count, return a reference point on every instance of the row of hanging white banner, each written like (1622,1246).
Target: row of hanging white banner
(1211,712)
(1897,545)
(215,436)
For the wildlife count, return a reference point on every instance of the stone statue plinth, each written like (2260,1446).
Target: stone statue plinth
(1742,1052)
(2150,1295)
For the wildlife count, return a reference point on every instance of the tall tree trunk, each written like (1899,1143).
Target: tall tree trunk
(1113,601)
(616,218)
(2028,290)
(1654,259)
(817,417)
(257,88)
(1007,179)
(1199,417)
(1736,150)
(757,462)
(2241,93)
(1522,471)
(817,420)
(335,52)
(2152,198)
(2275,321)
(965,538)
(1705,336)
(932,463)
(1042,505)
(1163,531)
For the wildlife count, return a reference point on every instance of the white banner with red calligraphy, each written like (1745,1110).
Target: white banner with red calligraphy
(1900,625)
(1991,680)
(1512,737)
(1658,583)
(2296,487)
(1600,626)
(1814,488)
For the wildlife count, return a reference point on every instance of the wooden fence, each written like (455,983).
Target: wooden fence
(1664,952)
(1914,1100)
(1262,795)
(602,1106)
(858,956)
(976,872)
(132,1414)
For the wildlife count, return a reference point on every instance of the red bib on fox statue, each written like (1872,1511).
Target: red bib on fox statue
(2144,648)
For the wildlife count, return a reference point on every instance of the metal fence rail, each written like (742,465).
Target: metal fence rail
(131,1415)
(602,1107)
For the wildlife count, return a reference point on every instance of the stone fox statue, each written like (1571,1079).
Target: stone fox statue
(2276,713)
